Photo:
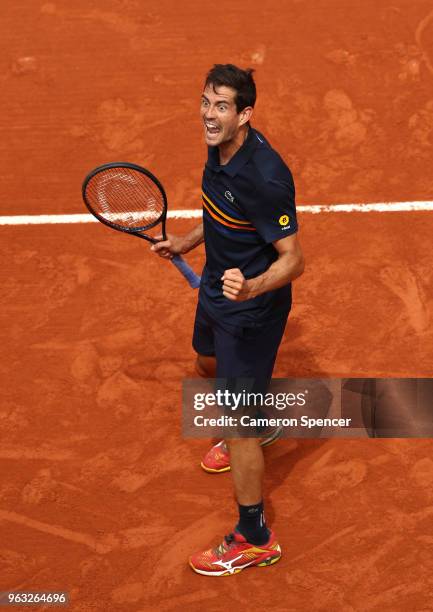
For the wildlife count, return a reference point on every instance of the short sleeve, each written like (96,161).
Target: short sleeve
(272,211)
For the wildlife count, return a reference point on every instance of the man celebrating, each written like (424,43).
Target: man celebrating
(252,255)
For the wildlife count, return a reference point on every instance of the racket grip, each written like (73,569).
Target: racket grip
(187,271)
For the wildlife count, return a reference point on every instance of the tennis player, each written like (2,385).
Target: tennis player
(252,254)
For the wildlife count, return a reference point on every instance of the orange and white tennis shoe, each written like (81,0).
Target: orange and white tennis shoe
(217,459)
(235,554)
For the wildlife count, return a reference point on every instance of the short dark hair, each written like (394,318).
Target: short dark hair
(240,80)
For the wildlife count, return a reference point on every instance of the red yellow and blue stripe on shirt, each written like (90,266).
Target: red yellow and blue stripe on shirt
(225,217)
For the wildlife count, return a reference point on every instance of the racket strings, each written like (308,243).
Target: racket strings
(125,197)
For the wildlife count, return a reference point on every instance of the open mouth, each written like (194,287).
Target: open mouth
(212,129)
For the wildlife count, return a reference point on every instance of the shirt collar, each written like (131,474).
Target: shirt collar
(238,160)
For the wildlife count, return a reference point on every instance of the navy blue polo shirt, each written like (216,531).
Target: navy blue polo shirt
(248,204)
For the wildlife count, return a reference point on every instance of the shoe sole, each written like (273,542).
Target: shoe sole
(213,470)
(269,561)
(276,435)
(266,442)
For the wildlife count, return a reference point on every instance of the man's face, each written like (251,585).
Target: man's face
(220,117)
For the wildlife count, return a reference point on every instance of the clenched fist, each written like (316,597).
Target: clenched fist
(235,285)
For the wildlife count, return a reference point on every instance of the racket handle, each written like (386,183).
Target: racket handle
(188,272)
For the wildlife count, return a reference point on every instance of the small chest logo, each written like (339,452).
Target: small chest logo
(229,196)
(283,220)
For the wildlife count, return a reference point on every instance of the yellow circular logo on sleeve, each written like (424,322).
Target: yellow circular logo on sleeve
(283,220)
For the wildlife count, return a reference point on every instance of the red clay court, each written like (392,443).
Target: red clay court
(99,493)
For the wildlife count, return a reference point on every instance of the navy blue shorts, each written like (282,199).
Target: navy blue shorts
(241,352)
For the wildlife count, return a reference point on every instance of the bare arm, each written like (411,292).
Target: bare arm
(288,266)
(179,245)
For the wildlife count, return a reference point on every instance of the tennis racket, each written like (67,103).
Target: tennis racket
(130,199)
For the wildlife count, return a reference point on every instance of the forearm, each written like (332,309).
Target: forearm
(193,239)
(284,270)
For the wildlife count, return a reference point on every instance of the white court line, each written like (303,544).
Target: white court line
(197,213)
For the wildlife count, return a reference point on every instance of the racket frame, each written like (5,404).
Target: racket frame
(189,274)
(136,231)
